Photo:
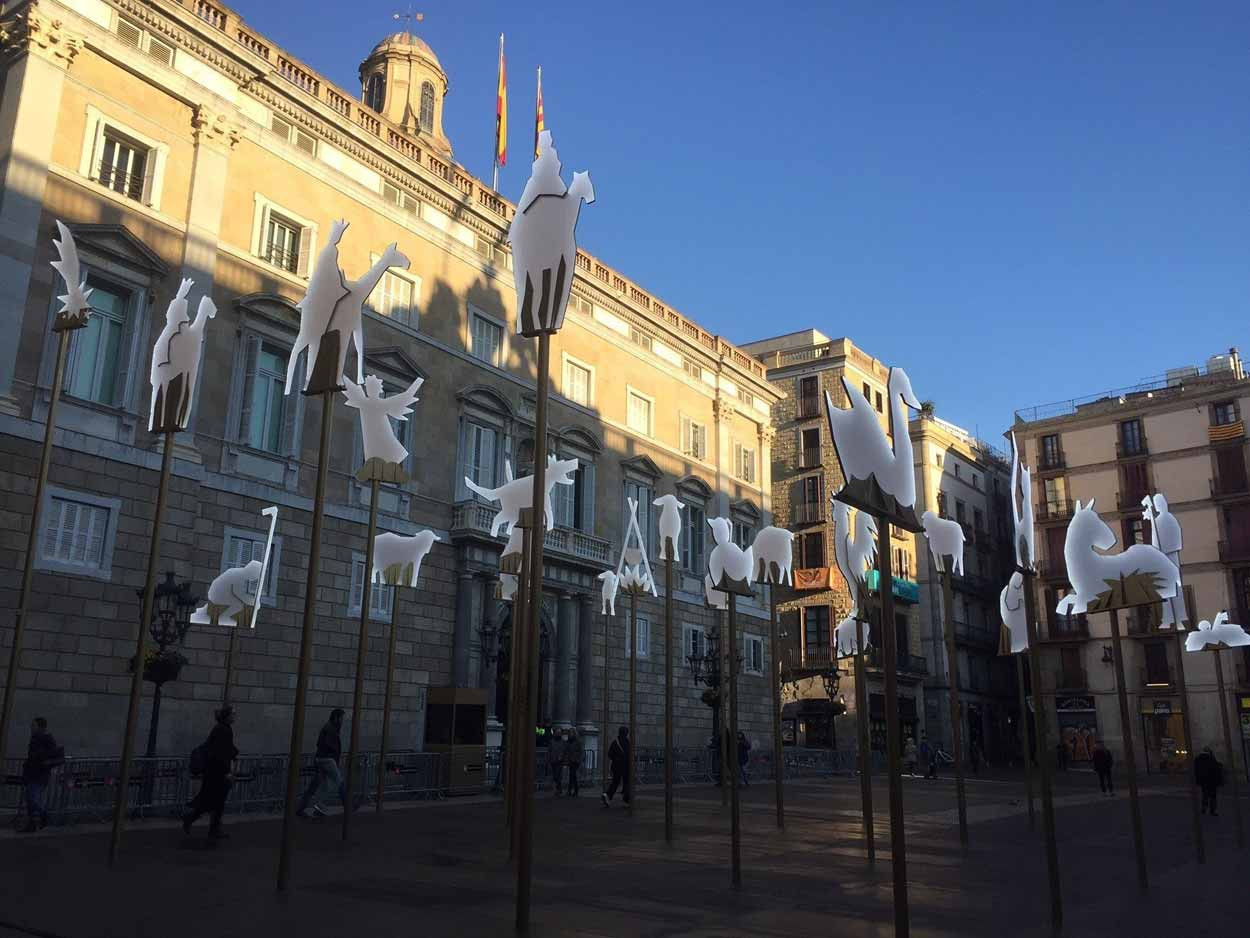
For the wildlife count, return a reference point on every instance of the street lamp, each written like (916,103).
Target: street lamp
(705,668)
(171,618)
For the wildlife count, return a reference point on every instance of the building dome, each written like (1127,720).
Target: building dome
(405,42)
(403,80)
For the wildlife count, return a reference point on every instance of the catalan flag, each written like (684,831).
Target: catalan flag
(539,126)
(501,112)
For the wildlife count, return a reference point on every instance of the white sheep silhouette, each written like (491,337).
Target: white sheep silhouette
(670,524)
(397,559)
(773,545)
(946,539)
(611,582)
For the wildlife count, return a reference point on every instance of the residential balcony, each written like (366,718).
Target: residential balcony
(1051,462)
(1227,487)
(1068,679)
(809,512)
(1235,550)
(974,583)
(809,406)
(906,664)
(473,517)
(1157,679)
(809,458)
(1067,628)
(1053,510)
(1126,450)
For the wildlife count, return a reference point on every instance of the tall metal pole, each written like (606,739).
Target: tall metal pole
(526,749)
(362,645)
(1043,753)
(668,693)
(722,710)
(1228,747)
(735,824)
(230,649)
(861,722)
(952,672)
(778,755)
(631,770)
(517,667)
(32,537)
(1195,806)
(1024,735)
(889,648)
(145,619)
(379,795)
(1130,762)
(306,641)
(603,740)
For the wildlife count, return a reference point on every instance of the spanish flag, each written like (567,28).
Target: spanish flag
(501,112)
(538,112)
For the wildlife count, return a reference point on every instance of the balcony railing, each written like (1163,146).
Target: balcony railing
(1235,550)
(908,664)
(279,257)
(1067,628)
(809,458)
(1051,462)
(1222,486)
(981,635)
(809,512)
(475,517)
(128,184)
(1056,509)
(809,405)
(1131,449)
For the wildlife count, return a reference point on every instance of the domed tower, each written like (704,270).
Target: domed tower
(403,80)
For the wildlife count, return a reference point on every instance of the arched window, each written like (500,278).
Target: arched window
(375,91)
(427,107)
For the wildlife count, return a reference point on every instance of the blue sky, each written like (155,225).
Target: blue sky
(1017,203)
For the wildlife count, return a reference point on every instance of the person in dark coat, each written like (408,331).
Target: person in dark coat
(219,756)
(42,756)
(555,759)
(1209,775)
(1102,765)
(326,760)
(618,762)
(573,760)
(744,756)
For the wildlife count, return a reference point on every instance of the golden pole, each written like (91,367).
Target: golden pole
(603,742)
(952,671)
(1024,734)
(1228,745)
(1196,808)
(631,777)
(735,822)
(225,690)
(778,756)
(518,668)
(668,693)
(889,649)
(861,721)
(386,701)
(362,645)
(1130,761)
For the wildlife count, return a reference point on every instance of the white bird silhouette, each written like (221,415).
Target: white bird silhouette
(862,447)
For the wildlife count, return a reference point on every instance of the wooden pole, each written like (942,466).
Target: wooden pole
(631,771)
(306,641)
(1130,762)
(380,794)
(1228,746)
(722,710)
(32,538)
(604,739)
(145,619)
(362,645)
(1026,749)
(889,648)
(1194,804)
(735,823)
(861,722)
(230,649)
(778,755)
(952,673)
(668,693)
(1043,753)
(526,749)
(517,667)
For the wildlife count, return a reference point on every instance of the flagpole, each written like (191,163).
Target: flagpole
(494,157)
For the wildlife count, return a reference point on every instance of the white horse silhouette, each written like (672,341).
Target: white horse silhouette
(1092,573)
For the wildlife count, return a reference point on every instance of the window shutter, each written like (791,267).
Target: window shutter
(357,590)
(587,471)
(95,535)
(251,352)
(305,245)
(149,174)
(291,412)
(120,394)
(52,527)
(687,443)
(69,520)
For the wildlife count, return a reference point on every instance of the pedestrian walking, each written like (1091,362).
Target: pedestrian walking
(1209,775)
(1061,756)
(744,758)
(1102,765)
(929,752)
(555,761)
(215,760)
(573,760)
(326,764)
(911,756)
(42,756)
(974,756)
(618,762)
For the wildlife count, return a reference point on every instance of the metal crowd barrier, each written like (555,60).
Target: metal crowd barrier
(542,768)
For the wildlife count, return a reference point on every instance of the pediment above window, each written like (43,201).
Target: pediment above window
(117,244)
(269,306)
(745,508)
(393,361)
(692,488)
(642,465)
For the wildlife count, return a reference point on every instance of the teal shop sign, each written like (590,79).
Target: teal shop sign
(905,590)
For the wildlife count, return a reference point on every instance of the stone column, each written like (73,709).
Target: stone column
(585,664)
(40,52)
(722,418)
(766,437)
(463,633)
(566,660)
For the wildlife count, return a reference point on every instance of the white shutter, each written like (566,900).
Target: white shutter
(357,590)
(52,527)
(95,534)
(687,444)
(305,247)
(65,542)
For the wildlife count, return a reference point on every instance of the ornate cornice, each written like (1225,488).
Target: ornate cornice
(30,31)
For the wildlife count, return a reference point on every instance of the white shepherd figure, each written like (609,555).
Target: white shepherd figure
(176,362)
(1022,508)
(1165,534)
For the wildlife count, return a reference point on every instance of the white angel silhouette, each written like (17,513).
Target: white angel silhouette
(376,413)
(75,305)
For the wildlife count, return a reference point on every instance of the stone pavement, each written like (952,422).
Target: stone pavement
(442,869)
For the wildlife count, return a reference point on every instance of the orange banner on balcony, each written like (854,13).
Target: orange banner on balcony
(813,578)
(1225,432)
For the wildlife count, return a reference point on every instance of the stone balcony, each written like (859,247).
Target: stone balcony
(474,518)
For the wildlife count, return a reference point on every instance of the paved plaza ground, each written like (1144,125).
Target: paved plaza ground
(442,869)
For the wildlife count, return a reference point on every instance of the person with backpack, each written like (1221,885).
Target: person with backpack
(326,760)
(42,756)
(618,762)
(214,759)
(573,760)
(1209,776)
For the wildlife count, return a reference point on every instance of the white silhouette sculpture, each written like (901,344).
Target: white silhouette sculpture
(75,301)
(515,495)
(376,414)
(1094,575)
(636,580)
(611,583)
(508,583)
(716,599)
(728,561)
(773,545)
(397,559)
(544,250)
(1013,611)
(176,362)
(670,524)
(1022,508)
(854,551)
(234,596)
(633,569)
(946,539)
(333,305)
(1165,534)
(1217,635)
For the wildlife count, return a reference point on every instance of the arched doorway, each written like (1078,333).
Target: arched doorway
(503,664)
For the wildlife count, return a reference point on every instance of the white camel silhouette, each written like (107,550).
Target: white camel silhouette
(177,354)
(861,444)
(1092,573)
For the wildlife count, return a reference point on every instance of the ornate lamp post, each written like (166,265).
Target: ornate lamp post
(171,618)
(706,668)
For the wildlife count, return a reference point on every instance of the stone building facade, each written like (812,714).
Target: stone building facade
(177,142)
(1181,434)
(803,366)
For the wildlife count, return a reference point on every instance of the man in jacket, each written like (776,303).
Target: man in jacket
(219,756)
(326,761)
(1209,775)
(555,760)
(42,756)
(573,760)
(744,757)
(618,762)
(1102,765)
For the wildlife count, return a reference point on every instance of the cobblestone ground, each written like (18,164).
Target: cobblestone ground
(443,869)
